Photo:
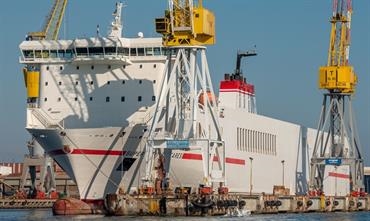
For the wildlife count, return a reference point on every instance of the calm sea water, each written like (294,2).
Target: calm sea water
(40,214)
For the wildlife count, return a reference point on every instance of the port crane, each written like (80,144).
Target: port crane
(52,23)
(337,143)
(31,73)
(180,121)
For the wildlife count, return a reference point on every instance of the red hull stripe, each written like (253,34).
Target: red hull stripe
(89,152)
(98,152)
(185,156)
(339,175)
(193,156)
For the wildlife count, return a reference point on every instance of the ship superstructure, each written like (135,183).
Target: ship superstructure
(91,104)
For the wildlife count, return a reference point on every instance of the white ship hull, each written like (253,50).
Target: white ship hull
(93,158)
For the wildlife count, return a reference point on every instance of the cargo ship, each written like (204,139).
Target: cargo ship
(91,102)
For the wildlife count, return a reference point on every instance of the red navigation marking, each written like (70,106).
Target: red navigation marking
(339,175)
(194,156)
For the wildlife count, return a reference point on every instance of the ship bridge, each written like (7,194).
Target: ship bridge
(90,50)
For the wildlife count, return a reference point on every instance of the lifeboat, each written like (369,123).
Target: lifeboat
(211,98)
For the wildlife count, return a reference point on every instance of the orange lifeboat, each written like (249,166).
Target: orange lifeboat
(211,98)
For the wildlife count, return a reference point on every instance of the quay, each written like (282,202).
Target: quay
(229,204)
(26,203)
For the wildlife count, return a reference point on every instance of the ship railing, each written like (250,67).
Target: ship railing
(47,123)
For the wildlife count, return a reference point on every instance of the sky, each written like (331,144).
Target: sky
(291,38)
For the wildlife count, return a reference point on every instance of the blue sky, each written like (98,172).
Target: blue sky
(291,37)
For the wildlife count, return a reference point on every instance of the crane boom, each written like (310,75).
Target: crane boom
(338,76)
(53,22)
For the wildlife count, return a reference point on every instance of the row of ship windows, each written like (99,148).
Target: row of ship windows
(255,141)
(107,99)
(93,67)
(93,51)
(92,82)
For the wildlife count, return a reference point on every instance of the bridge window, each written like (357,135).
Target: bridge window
(149,51)
(91,98)
(69,53)
(96,51)
(61,53)
(123,99)
(157,51)
(139,98)
(28,53)
(53,53)
(133,52)
(107,99)
(140,52)
(110,50)
(38,54)
(153,98)
(81,51)
(123,51)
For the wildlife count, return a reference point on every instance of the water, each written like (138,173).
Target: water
(41,214)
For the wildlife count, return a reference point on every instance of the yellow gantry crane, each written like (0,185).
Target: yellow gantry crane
(52,24)
(337,143)
(178,122)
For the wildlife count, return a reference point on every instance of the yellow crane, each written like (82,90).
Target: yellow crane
(52,24)
(186,24)
(337,143)
(177,121)
(338,76)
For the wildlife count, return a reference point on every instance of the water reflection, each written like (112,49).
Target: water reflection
(46,214)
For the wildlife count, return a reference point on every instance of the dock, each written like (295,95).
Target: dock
(26,203)
(230,204)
